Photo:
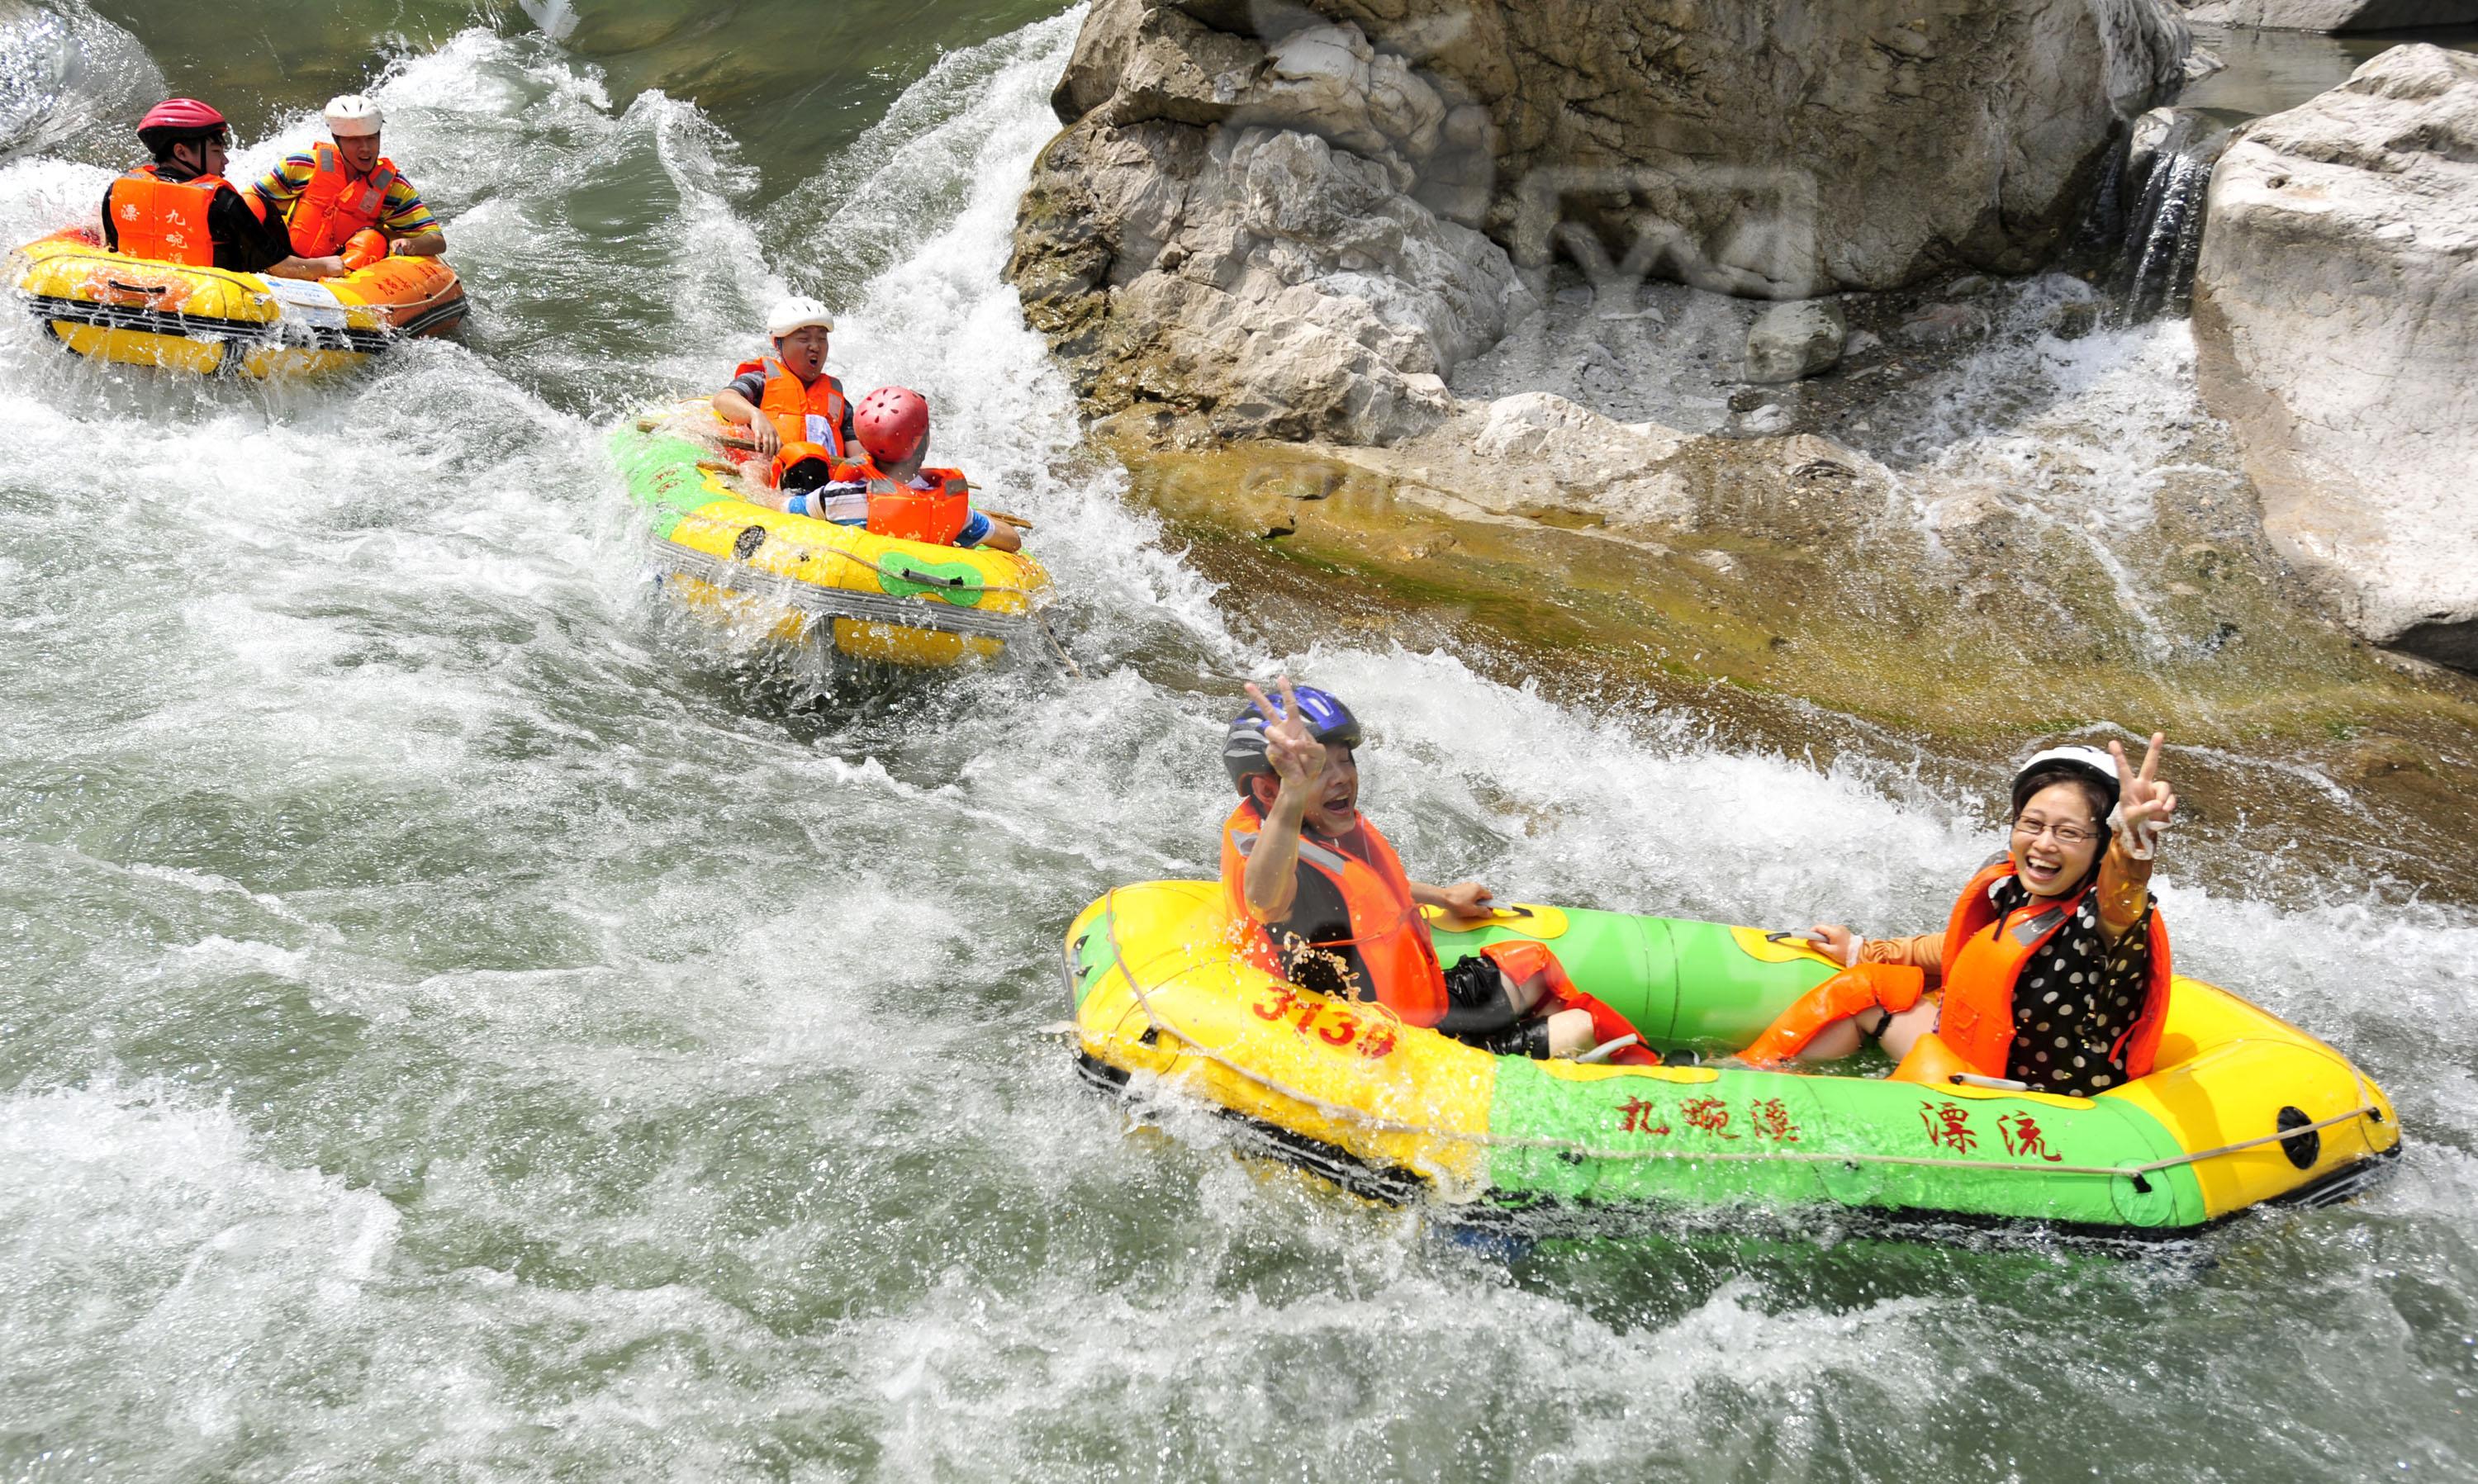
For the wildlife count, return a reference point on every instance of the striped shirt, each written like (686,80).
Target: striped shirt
(404,214)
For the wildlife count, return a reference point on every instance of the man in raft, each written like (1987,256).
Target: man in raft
(1333,910)
(787,398)
(346,200)
(179,208)
(2052,966)
(888,491)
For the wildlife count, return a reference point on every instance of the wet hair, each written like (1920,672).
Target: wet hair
(2094,794)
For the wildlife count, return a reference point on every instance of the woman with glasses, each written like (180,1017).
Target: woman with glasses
(2052,966)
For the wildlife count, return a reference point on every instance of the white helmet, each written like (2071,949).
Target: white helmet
(2082,756)
(353,114)
(796,314)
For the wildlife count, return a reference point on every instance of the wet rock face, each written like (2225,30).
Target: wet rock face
(1226,237)
(2335,316)
(1395,160)
(2334,16)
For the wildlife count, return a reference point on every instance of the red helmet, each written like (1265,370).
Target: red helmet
(892,422)
(175,119)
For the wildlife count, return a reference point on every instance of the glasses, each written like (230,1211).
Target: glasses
(2069,836)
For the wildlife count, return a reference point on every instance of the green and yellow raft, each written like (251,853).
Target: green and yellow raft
(2243,1108)
(870,597)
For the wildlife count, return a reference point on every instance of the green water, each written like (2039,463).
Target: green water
(462,1020)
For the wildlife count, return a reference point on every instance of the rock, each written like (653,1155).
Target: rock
(1791,341)
(2071,321)
(1768,421)
(1255,203)
(2336,323)
(1939,324)
(2334,14)
(1262,281)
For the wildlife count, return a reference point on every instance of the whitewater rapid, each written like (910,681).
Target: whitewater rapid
(466,1019)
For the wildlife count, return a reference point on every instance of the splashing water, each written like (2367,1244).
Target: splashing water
(463,1024)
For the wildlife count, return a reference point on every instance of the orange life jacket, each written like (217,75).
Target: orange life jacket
(1387,932)
(335,204)
(813,413)
(166,221)
(937,515)
(1983,962)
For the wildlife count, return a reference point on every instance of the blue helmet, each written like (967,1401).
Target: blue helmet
(1243,747)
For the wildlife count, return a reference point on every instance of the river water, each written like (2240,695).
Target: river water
(463,1021)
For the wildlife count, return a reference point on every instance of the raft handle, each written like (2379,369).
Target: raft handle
(1999,1084)
(1606,1049)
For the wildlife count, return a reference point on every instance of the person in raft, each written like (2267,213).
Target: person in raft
(2052,966)
(788,397)
(346,200)
(179,208)
(887,490)
(1332,910)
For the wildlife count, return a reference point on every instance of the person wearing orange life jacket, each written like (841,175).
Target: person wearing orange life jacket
(2054,965)
(179,208)
(788,397)
(1336,912)
(889,492)
(347,199)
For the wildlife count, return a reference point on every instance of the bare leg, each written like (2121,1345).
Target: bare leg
(1898,1032)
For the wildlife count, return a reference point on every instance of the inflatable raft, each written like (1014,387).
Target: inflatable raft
(2242,1109)
(142,311)
(871,597)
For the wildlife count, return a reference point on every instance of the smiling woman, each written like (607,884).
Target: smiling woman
(2053,968)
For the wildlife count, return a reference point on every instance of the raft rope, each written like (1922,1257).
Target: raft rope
(1346,1113)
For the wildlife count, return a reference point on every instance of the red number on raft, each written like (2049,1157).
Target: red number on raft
(1281,1006)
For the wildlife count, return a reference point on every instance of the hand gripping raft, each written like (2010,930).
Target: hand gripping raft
(2242,1108)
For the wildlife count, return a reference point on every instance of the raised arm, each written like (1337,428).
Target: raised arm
(1298,763)
(2146,805)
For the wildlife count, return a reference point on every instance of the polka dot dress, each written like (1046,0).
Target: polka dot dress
(2075,1001)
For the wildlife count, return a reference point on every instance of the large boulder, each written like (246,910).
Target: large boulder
(2334,16)
(1397,160)
(2336,315)
(1226,237)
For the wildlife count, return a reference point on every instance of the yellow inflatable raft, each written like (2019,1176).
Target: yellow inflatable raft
(143,311)
(2242,1109)
(870,597)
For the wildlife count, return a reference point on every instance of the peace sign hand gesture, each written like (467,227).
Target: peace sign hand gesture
(1297,757)
(2146,804)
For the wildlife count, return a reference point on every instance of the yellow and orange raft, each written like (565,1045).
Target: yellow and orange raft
(863,596)
(2242,1109)
(144,312)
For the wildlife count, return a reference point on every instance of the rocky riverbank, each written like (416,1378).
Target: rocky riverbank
(1287,263)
